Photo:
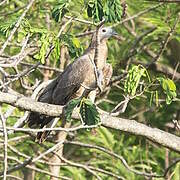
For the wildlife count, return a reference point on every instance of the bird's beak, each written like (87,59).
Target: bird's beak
(114,33)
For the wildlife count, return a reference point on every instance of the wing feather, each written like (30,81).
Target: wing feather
(70,80)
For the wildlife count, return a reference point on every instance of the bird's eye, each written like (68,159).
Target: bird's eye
(103,30)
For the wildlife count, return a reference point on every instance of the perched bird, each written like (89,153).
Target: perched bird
(78,79)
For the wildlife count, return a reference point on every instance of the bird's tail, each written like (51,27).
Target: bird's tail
(42,136)
(37,120)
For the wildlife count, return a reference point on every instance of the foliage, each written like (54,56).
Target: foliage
(44,46)
(6,27)
(111,11)
(60,10)
(70,107)
(154,93)
(73,44)
(169,89)
(95,10)
(133,79)
(88,111)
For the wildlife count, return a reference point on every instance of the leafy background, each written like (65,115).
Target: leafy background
(158,105)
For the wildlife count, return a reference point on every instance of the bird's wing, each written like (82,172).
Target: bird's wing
(61,90)
(70,80)
(46,94)
(107,73)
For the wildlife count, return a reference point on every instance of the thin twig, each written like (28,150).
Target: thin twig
(138,14)
(13,177)
(19,57)
(12,12)
(1,3)
(165,42)
(175,71)
(112,154)
(16,26)
(64,26)
(80,20)
(48,151)
(25,72)
(170,166)
(3,120)
(78,165)
(26,164)
(42,67)
(50,129)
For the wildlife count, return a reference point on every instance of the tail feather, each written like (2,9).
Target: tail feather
(42,136)
(37,120)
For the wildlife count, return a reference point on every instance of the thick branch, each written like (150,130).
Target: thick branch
(30,104)
(154,134)
(131,126)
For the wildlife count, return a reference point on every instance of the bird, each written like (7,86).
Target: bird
(77,79)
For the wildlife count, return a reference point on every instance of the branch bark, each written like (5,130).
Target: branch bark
(130,126)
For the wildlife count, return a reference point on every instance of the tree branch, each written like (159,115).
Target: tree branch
(131,126)
(138,14)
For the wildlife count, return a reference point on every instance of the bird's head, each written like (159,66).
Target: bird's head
(106,32)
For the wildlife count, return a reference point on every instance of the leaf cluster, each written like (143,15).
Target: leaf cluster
(88,111)
(60,10)
(169,89)
(112,10)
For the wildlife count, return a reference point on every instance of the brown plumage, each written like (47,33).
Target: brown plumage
(77,78)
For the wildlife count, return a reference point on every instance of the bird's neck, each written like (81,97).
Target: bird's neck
(102,53)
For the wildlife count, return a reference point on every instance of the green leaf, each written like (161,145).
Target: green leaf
(95,10)
(133,78)
(56,51)
(169,89)
(113,11)
(165,84)
(171,85)
(74,47)
(89,113)
(176,171)
(89,11)
(70,107)
(76,42)
(44,46)
(157,99)
(60,10)
(151,98)
(7,26)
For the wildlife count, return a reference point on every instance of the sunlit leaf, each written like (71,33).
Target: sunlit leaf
(169,89)
(76,42)
(44,46)
(133,78)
